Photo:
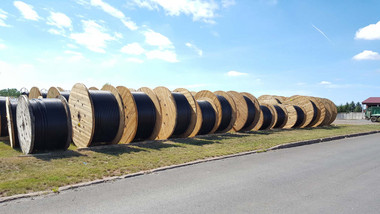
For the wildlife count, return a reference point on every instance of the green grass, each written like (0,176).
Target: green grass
(22,174)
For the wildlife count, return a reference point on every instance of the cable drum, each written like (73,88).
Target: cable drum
(146,116)
(183,118)
(54,92)
(11,107)
(300,117)
(35,93)
(208,116)
(281,117)
(315,115)
(267,117)
(43,124)
(24,91)
(97,115)
(226,113)
(251,112)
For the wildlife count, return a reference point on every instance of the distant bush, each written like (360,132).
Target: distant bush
(10,92)
(350,107)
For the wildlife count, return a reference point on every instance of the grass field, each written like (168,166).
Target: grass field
(22,174)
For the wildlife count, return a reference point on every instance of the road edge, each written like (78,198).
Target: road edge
(84,184)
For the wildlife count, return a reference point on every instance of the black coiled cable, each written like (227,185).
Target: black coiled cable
(267,117)
(251,112)
(65,94)
(107,116)
(146,112)
(226,113)
(208,115)
(300,116)
(315,109)
(183,113)
(3,115)
(281,116)
(51,120)
(13,107)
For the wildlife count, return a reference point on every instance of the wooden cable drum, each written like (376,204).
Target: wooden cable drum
(269,116)
(35,93)
(228,111)
(54,92)
(130,115)
(328,114)
(334,111)
(158,112)
(195,112)
(212,98)
(43,124)
(293,116)
(253,109)
(11,107)
(93,88)
(321,112)
(3,118)
(169,112)
(193,93)
(309,108)
(282,116)
(209,114)
(241,110)
(269,99)
(97,115)
(139,115)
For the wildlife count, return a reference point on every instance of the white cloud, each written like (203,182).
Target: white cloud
(236,73)
(3,17)
(115,13)
(135,60)
(367,55)
(195,48)
(59,20)
(166,55)
(200,10)
(133,49)
(2,46)
(26,10)
(370,32)
(157,39)
(94,36)
(228,3)
(325,83)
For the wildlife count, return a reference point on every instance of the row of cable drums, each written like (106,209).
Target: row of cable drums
(90,117)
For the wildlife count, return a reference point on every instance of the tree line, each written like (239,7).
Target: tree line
(350,107)
(10,92)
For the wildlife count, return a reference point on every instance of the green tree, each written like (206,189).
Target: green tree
(10,92)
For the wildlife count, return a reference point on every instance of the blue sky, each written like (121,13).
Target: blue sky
(318,48)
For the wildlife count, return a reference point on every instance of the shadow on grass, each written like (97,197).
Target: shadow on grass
(115,150)
(201,140)
(156,145)
(54,155)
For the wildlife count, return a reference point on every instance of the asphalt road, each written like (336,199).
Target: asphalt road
(333,177)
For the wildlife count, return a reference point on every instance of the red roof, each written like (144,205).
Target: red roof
(372,100)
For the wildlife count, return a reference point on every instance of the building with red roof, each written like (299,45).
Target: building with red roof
(372,101)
